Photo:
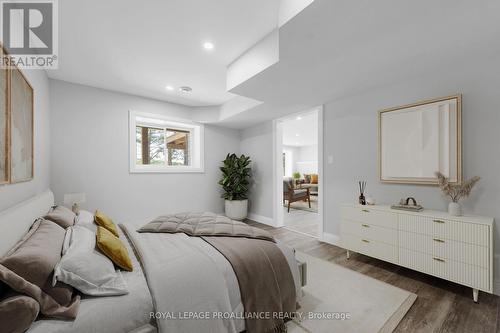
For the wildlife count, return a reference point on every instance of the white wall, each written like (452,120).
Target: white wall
(350,129)
(90,151)
(350,138)
(15,193)
(291,158)
(257,142)
(307,160)
(256,59)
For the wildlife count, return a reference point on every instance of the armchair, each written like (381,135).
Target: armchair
(291,194)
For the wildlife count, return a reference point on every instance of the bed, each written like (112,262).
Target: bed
(157,258)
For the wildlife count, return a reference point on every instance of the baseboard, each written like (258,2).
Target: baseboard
(262,219)
(330,238)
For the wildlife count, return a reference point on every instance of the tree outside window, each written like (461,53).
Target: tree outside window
(162,146)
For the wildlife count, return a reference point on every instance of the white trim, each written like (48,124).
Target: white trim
(278,173)
(321,174)
(330,239)
(197,133)
(262,219)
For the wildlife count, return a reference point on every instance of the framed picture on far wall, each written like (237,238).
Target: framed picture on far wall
(4,124)
(21,128)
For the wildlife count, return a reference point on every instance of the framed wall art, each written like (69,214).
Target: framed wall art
(21,128)
(4,123)
(419,139)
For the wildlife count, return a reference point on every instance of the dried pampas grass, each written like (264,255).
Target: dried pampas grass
(456,192)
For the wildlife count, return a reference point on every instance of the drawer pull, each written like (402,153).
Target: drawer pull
(366,210)
(365,225)
(439,221)
(366,240)
(438,240)
(439,259)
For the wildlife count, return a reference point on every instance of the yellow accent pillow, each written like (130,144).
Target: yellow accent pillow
(105,222)
(113,248)
(314,179)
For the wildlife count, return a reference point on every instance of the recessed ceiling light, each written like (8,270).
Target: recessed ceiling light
(170,88)
(185,89)
(299,118)
(208,46)
(297,134)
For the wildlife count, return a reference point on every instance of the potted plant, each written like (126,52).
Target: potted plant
(235,183)
(296,177)
(455,192)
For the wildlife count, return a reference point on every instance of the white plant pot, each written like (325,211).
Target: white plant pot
(236,209)
(455,209)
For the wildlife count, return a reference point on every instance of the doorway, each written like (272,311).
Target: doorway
(298,172)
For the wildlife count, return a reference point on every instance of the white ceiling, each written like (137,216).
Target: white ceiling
(140,47)
(330,50)
(338,49)
(301,130)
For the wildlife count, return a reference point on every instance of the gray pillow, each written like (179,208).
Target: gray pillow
(28,268)
(86,269)
(17,312)
(62,216)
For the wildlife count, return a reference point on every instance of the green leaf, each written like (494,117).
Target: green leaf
(235,178)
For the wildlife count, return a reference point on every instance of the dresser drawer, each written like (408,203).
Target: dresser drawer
(370,247)
(444,248)
(370,216)
(472,276)
(446,229)
(370,232)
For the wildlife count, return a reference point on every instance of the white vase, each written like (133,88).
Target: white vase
(236,209)
(454,209)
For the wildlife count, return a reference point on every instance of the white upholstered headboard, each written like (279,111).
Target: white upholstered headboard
(16,221)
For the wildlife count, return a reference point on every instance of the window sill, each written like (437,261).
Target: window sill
(168,170)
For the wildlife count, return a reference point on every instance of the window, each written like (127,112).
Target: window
(160,144)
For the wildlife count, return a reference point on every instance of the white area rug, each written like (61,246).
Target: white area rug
(367,305)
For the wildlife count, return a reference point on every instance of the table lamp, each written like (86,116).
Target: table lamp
(74,200)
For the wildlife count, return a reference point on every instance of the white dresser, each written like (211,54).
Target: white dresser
(459,249)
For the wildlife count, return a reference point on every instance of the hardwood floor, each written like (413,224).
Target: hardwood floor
(441,306)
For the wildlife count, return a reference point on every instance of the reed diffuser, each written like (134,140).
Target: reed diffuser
(362,187)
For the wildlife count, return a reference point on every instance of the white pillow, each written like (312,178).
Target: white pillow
(86,269)
(86,219)
(67,240)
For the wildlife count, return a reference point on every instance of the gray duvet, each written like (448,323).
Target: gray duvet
(204,224)
(188,277)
